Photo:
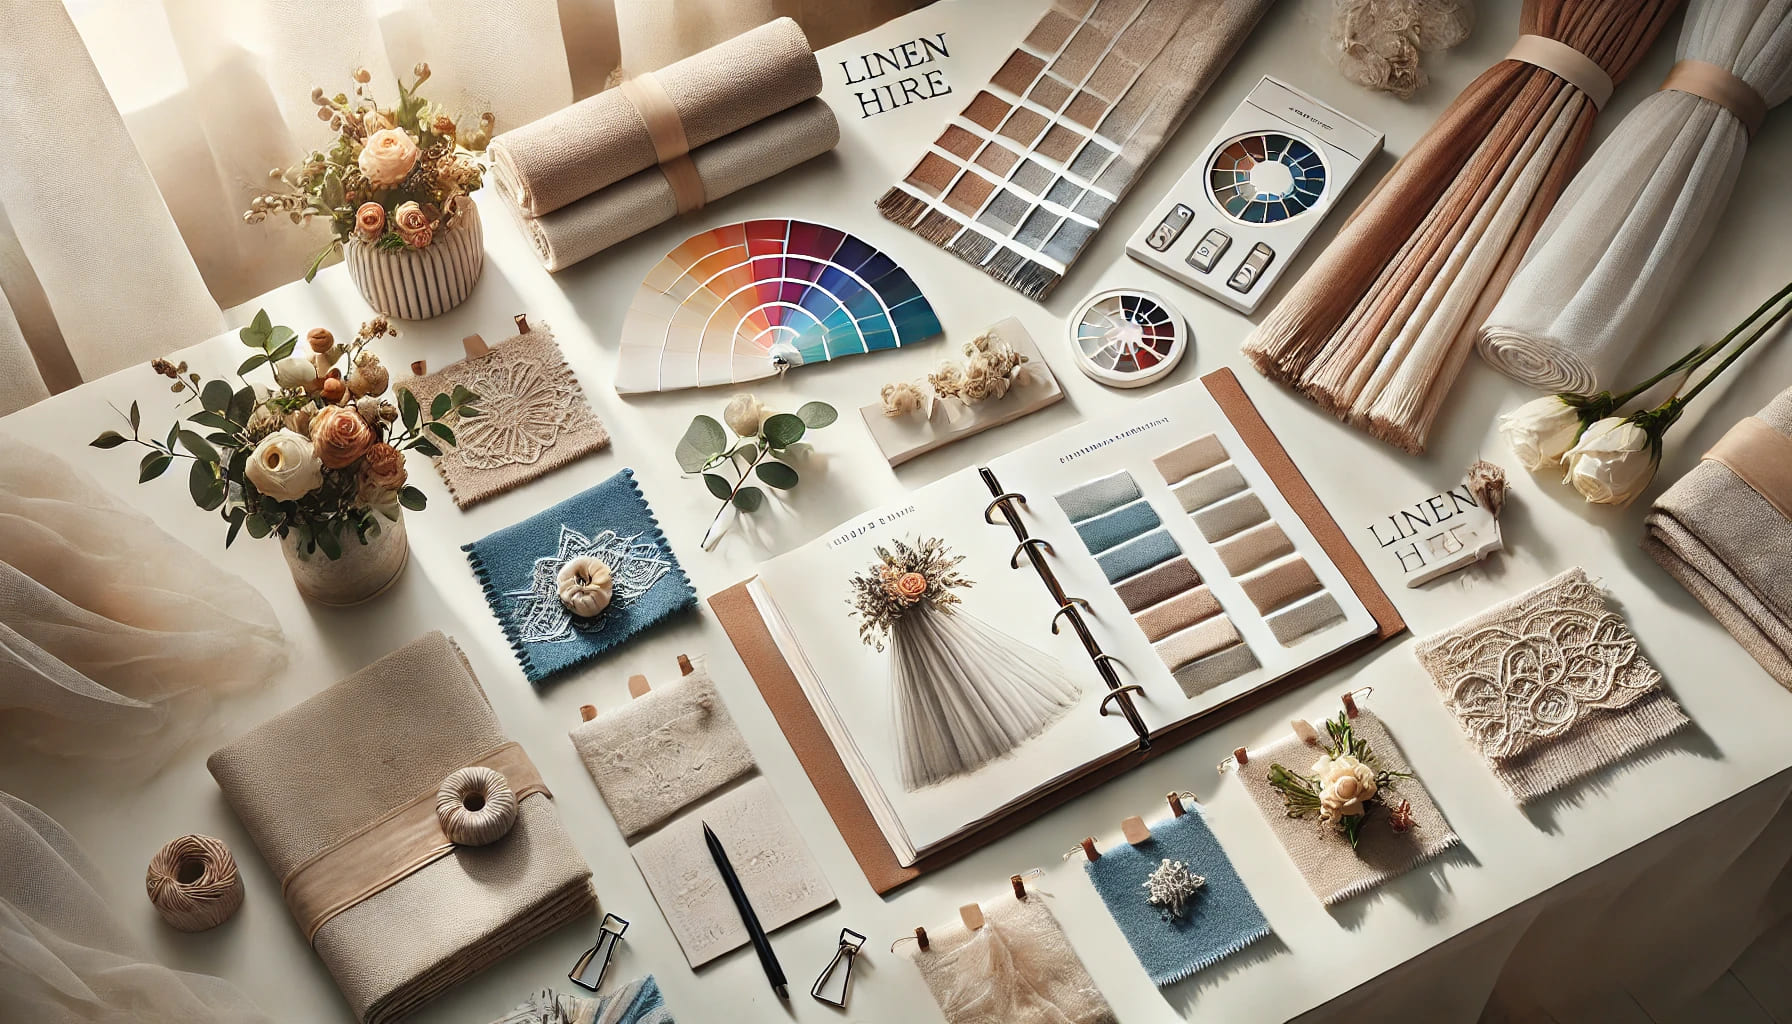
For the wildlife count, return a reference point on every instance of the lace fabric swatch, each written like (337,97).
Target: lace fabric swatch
(535,417)
(1332,869)
(1550,686)
(654,755)
(1019,968)
(779,874)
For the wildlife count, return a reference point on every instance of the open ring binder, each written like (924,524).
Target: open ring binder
(1120,694)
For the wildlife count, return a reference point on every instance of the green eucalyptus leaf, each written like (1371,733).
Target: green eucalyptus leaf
(254,362)
(281,334)
(817,414)
(777,475)
(442,431)
(108,439)
(136,417)
(203,484)
(781,430)
(439,406)
(462,396)
(467,412)
(407,408)
(153,465)
(215,419)
(703,440)
(256,334)
(718,486)
(199,446)
(173,432)
(426,447)
(242,404)
(413,499)
(328,543)
(236,524)
(747,450)
(216,396)
(282,350)
(749,498)
(257,526)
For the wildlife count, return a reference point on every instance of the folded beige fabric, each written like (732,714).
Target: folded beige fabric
(1019,968)
(1732,550)
(322,771)
(603,139)
(645,199)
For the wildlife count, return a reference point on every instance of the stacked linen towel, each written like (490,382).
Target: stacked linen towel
(615,164)
(1724,530)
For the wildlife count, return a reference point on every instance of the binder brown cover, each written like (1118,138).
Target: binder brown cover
(784,695)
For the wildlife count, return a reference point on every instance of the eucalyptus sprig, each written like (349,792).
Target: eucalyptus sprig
(760,449)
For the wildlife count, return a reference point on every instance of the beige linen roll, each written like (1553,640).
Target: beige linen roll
(602,139)
(645,199)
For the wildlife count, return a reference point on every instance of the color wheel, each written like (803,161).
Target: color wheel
(752,299)
(1127,338)
(1266,177)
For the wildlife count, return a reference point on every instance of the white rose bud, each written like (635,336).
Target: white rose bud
(744,415)
(284,467)
(1541,431)
(1612,462)
(295,372)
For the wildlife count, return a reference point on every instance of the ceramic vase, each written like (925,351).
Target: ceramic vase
(362,573)
(416,284)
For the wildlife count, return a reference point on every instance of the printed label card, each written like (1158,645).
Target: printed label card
(1437,534)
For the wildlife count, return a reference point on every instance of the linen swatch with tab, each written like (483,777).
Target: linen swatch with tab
(1019,968)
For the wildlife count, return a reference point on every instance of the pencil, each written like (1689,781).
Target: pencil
(768,960)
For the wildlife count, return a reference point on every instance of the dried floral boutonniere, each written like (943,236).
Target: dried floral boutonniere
(905,577)
(1345,787)
(763,444)
(990,368)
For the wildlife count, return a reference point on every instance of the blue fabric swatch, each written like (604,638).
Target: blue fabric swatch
(1221,919)
(636,1002)
(518,566)
(1137,555)
(1097,496)
(1118,526)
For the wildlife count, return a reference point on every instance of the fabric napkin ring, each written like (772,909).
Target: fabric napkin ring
(1566,63)
(474,805)
(671,147)
(1721,86)
(1761,457)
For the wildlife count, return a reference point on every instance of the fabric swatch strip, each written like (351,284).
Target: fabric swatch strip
(1019,968)
(659,752)
(1020,181)
(779,874)
(635,1002)
(519,567)
(1218,919)
(1323,856)
(1550,686)
(535,417)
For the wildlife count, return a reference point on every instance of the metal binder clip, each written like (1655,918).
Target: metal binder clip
(831,987)
(1030,542)
(1001,499)
(1069,603)
(589,971)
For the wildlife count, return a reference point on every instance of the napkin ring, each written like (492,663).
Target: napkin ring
(476,806)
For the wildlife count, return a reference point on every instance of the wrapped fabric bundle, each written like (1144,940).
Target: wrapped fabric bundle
(1724,530)
(620,162)
(345,811)
(1638,214)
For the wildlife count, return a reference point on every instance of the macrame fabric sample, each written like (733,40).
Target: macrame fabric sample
(1550,686)
(1116,77)
(654,755)
(780,875)
(1333,870)
(1731,548)
(1380,44)
(1219,920)
(635,1002)
(1019,968)
(535,417)
(115,638)
(68,958)
(519,565)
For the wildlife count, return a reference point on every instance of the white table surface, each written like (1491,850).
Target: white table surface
(1508,856)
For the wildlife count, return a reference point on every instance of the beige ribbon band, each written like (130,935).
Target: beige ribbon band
(404,841)
(1707,81)
(1566,63)
(1762,457)
(671,148)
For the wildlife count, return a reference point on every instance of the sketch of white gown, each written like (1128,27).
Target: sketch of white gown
(964,693)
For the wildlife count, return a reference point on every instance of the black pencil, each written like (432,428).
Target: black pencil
(768,960)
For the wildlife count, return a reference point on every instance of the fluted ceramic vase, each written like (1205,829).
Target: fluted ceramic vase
(363,572)
(416,284)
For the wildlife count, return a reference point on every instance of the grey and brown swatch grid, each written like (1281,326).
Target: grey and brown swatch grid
(1021,179)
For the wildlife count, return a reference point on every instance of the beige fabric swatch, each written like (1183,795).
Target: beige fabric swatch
(1019,968)
(1247,549)
(1225,518)
(1185,609)
(1277,584)
(313,775)
(535,417)
(1158,583)
(1197,641)
(1305,616)
(1209,486)
(1202,453)
(654,755)
(1203,674)
(1323,856)
(780,875)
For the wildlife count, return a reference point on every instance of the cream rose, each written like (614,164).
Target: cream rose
(370,221)
(339,435)
(295,372)
(901,398)
(388,155)
(1611,463)
(413,225)
(284,467)
(1346,784)
(744,415)
(1540,431)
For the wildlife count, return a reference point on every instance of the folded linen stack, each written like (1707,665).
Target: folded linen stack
(343,808)
(615,164)
(1724,530)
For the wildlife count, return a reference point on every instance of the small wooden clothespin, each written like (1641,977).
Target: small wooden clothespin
(1350,703)
(1241,757)
(972,916)
(522,324)
(1134,830)
(921,937)
(587,712)
(1304,729)
(420,367)
(684,666)
(1020,886)
(475,346)
(1176,807)
(637,685)
(1089,848)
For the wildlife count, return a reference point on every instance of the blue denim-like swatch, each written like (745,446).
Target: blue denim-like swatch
(1137,555)
(1117,527)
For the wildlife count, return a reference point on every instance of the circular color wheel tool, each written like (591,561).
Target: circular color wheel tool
(1126,338)
(1266,177)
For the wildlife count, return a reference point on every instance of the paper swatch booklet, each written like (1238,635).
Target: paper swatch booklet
(1018,625)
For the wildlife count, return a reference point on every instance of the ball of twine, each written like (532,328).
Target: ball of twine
(193,883)
(476,806)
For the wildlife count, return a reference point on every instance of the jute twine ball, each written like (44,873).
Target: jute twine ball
(193,883)
(475,806)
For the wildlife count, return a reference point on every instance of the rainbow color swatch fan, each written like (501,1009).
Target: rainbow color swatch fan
(753,299)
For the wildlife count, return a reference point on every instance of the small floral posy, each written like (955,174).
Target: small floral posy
(319,455)
(904,576)
(764,443)
(1171,888)
(990,368)
(1344,787)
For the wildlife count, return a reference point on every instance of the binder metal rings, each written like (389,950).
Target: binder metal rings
(1005,496)
(1014,559)
(1069,603)
(1128,688)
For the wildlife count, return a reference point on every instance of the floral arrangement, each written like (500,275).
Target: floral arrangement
(1609,458)
(763,446)
(395,177)
(318,455)
(904,577)
(1344,787)
(990,368)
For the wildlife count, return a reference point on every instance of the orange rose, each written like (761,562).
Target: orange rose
(383,468)
(387,156)
(911,585)
(339,435)
(370,221)
(413,225)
